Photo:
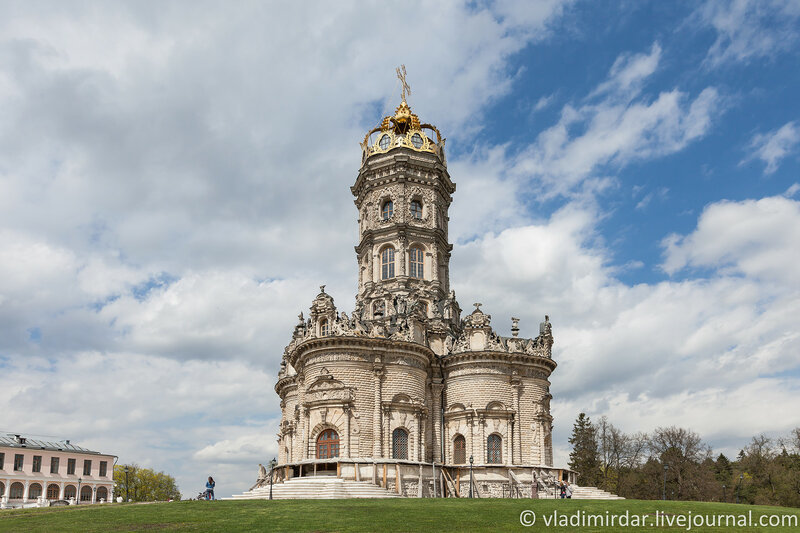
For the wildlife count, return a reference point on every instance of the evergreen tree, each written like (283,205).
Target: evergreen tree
(584,456)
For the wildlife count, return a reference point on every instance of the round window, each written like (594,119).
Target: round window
(416,140)
(384,143)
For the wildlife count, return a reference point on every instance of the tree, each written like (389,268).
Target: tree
(682,451)
(583,457)
(144,484)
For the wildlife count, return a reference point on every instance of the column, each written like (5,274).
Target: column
(436,420)
(289,435)
(301,389)
(434,263)
(509,442)
(377,432)
(420,441)
(7,492)
(470,445)
(25,493)
(402,256)
(347,429)
(61,490)
(482,447)
(306,430)
(387,423)
(516,458)
(94,493)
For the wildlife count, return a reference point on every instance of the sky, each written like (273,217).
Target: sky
(174,187)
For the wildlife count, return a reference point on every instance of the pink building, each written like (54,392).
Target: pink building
(39,472)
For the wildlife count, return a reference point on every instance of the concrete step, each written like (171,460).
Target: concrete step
(592,493)
(318,487)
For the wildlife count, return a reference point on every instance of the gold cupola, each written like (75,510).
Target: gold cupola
(403,130)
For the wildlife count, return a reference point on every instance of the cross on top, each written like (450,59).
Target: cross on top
(401,75)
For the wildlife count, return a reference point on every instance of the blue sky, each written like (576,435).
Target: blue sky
(174,187)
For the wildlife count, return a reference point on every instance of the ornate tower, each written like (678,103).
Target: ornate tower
(403,193)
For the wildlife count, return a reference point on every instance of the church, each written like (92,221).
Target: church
(405,393)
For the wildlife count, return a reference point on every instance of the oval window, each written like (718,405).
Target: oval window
(384,142)
(416,140)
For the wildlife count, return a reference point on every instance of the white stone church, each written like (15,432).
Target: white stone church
(404,396)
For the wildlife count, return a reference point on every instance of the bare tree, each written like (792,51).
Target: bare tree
(682,451)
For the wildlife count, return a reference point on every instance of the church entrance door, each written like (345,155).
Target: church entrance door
(328,444)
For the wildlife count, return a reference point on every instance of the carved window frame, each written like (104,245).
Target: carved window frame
(459,449)
(416,262)
(387,209)
(494,449)
(400,443)
(388,260)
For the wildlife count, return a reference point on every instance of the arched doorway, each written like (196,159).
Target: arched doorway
(399,444)
(17,490)
(52,491)
(86,493)
(102,494)
(69,492)
(328,444)
(459,450)
(34,491)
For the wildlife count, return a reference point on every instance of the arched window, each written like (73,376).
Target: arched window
(52,491)
(399,444)
(328,444)
(2,489)
(415,255)
(102,494)
(70,491)
(494,445)
(324,328)
(387,263)
(387,209)
(459,450)
(416,209)
(34,491)
(86,493)
(378,309)
(17,490)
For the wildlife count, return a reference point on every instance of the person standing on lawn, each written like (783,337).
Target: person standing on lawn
(210,488)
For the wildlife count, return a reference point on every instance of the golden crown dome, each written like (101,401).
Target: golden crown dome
(403,130)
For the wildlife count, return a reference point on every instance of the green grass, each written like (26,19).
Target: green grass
(358,515)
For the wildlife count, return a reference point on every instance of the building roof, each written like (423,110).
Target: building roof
(11,440)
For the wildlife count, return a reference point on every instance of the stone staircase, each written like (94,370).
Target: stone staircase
(317,488)
(592,493)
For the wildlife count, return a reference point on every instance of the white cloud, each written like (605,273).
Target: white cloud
(749,29)
(615,126)
(774,146)
(756,238)
(628,73)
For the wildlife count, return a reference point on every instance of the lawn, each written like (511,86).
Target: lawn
(369,515)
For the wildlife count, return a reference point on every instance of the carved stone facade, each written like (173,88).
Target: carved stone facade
(404,377)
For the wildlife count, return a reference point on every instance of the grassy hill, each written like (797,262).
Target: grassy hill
(379,515)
